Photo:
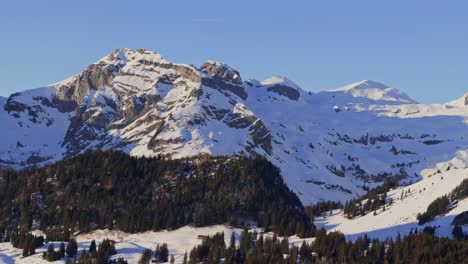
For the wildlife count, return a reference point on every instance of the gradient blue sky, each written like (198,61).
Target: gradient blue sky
(419,47)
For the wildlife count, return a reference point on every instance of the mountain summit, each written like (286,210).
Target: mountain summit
(327,144)
(375,91)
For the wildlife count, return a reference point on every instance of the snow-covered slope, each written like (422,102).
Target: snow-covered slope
(460,102)
(131,246)
(328,145)
(400,215)
(375,91)
(32,128)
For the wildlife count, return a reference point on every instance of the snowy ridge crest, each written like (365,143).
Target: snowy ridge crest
(375,91)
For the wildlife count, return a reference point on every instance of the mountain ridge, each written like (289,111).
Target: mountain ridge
(327,144)
(375,91)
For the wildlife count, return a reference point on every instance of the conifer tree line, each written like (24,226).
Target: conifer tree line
(417,247)
(70,251)
(321,207)
(159,255)
(112,190)
(374,199)
(252,248)
(26,241)
(99,255)
(442,204)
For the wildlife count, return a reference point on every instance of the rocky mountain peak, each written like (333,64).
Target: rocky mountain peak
(279,80)
(221,71)
(124,55)
(282,86)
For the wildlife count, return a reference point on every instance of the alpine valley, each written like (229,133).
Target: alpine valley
(380,156)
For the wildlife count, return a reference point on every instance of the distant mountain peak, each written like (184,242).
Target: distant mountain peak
(221,71)
(275,80)
(375,91)
(123,55)
(364,84)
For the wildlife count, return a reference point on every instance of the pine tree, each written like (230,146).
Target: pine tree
(72,248)
(163,252)
(145,257)
(33,245)
(232,241)
(285,246)
(105,250)
(458,233)
(84,257)
(51,255)
(92,247)
(61,252)
(294,253)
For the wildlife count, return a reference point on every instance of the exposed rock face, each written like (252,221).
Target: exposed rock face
(223,78)
(123,91)
(466,99)
(284,90)
(221,71)
(35,111)
(225,86)
(261,136)
(14,106)
(94,77)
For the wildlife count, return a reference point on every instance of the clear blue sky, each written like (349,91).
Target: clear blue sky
(419,47)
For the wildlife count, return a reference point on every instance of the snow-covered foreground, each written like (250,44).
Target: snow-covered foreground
(400,216)
(130,246)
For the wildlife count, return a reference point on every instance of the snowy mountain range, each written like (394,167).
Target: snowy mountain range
(329,145)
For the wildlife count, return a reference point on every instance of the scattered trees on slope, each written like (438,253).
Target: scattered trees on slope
(442,204)
(321,207)
(371,201)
